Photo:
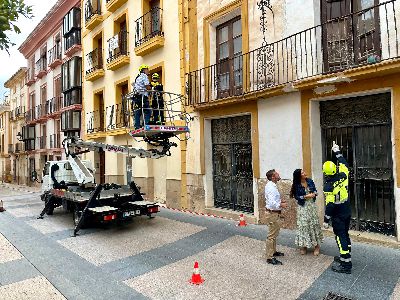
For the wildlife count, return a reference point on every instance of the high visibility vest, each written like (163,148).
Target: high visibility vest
(339,194)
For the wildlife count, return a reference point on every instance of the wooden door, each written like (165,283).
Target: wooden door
(229,59)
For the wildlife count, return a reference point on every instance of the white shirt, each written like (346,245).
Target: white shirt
(140,84)
(272,196)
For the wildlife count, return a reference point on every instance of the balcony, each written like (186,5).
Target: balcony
(19,147)
(40,112)
(30,77)
(72,42)
(95,121)
(93,15)
(72,100)
(55,141)
(149,34)
(111,119)
(29,145)
(94,65)
(321,50)
(117,49)
(53,106)
(30,115)
(113,5)
(41,142)
(41,67)
(17,113)
(54,55)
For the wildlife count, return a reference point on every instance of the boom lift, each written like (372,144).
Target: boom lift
(71,184)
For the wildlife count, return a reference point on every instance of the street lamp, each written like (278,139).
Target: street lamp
(19,136)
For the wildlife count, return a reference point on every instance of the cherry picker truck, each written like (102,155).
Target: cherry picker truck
(71,184)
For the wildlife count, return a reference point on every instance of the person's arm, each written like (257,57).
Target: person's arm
(146,82)
(343,164)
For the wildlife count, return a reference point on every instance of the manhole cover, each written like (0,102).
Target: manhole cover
(334,296)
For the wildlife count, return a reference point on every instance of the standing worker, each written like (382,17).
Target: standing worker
(141,97)
(158,102)
(338,208)
(274,205)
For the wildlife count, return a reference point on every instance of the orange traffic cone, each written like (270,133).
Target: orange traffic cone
(242,222)
(196,277)
(1,206)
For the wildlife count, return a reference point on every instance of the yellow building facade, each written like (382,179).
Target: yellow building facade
(118,36)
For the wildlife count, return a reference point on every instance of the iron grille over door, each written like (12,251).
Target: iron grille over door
(362,126)
(232,163)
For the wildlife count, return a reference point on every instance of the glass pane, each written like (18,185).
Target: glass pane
(363,4)
(237,63)
(223,51)
(237,45)
(223,34)
(76,119)
(238,78)
(223,82)
(237,28)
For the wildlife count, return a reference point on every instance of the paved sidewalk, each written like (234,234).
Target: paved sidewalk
(153,259)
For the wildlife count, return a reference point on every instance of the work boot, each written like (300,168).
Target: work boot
(336,259)
(342,268)
(274,261)
(277,253)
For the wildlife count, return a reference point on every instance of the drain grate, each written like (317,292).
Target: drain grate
(334,296)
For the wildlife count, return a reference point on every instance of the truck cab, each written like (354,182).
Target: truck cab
(64,173)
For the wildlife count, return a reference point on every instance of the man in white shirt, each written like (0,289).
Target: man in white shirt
(141,87)
(274,205)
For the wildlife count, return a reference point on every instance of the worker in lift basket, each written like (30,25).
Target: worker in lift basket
(141,96)
(157,102)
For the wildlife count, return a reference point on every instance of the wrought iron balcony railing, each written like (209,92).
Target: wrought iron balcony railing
(41,65)
(55,141)
(92,8)
(148,26)
(30,115)
(30,76)
(53,105)
(40,111)
(29,145)
(41,142)
(358,39)
(54,54)
(94,61)
(18,112)
(117,46)
(19,147)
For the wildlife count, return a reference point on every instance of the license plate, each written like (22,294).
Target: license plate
(129,213)
(138,212)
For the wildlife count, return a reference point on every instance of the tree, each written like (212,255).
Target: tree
(10,11)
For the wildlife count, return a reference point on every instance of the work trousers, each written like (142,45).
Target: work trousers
(341,226)
(274,223)
(141,106)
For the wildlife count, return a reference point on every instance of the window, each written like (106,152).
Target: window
(229,59)
(71,120)
(43,94)
(28,132)
(71,73)
(72,28)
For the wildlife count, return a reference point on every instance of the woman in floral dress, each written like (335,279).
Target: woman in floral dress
(309,233)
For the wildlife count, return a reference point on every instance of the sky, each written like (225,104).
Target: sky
(11,63)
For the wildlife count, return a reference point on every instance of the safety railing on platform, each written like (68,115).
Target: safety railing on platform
(365,37)
(158,112)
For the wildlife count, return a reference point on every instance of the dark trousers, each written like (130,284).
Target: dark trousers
(341,226)
(141,106)
(158,110)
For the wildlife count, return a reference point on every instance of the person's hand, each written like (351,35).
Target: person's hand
(335,147)
(325,225)
(284,204)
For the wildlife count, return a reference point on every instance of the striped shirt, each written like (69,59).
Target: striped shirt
(140,84)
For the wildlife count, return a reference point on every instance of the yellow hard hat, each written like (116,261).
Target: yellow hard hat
(329,168)
(143,67)
(155,76)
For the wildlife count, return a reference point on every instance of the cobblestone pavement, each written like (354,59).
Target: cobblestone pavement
(153,259)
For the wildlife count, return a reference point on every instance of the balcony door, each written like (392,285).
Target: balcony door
(351,32)
(229,59)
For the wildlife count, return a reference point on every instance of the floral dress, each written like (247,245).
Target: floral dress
(309,233)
